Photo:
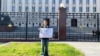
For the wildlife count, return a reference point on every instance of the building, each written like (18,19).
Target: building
(49,6)
(72,6)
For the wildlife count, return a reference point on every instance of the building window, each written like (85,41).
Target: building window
(40,9)
(46,9)
(26,9)
(20,8)
(94,9)
(53,1)
(60,1)
(87,1)
(80,9)
(13,1)
(87,16)
(33,1)
(73,22)
(74,1)
(67,9)
(40,1)
(13,8)
(87,9)
(94,1)
(46,1)
(94,25)
(20,1)
(80,16)
(80,1)
(73,9)
(26,1)
(19,24)
(53,9)
(87,25)
(94,16)
(33,9)
(67,1)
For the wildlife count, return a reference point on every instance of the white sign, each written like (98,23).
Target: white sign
(46,32)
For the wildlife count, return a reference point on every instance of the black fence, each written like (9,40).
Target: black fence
(83,26)
(23,26)
(16,26)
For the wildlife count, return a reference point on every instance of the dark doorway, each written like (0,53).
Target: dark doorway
(73,22)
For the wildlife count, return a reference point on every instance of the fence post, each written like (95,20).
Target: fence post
(62,24)
(0,5)
(26,24)
(98,26)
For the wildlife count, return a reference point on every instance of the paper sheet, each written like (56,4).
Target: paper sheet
(46,32)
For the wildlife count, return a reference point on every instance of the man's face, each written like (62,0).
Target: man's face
(45,23)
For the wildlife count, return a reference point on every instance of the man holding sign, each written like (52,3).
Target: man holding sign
(45,33)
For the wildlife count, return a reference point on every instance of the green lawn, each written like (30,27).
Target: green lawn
(33,49)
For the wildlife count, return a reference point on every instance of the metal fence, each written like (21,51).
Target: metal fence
(83,26)
(23,26)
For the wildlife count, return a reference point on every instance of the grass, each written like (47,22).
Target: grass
(33,49)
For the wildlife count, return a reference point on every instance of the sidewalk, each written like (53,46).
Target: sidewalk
(88,48)
(3,44)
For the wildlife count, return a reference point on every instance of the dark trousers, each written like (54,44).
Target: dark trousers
(44,46)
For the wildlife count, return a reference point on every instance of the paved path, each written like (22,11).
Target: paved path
(3,44)
(88,48)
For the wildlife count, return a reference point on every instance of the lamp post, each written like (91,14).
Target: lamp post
(62,23)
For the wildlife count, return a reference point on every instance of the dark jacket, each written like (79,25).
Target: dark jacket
(45,27)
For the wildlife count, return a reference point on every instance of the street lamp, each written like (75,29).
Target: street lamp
(10,25)
(62,5)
